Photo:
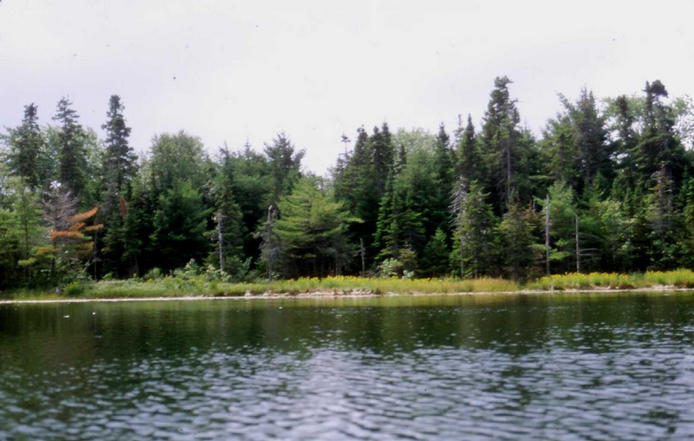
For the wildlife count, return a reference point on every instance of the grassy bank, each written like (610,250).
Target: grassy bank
(682,278)
(202,286)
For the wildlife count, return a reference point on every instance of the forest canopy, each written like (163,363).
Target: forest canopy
(607,185)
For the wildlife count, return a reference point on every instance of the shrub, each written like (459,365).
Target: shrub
(74,289)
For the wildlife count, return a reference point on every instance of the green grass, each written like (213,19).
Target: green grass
(681,278)
(345,285)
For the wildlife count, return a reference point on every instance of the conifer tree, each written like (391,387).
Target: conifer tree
(520,242)
(383,155)
(285,164)
(500,137)
(118,171)
(180,223)
(469,160)
(474,226)
(659,147)
(119,158)
(312,230)
(434,260)
(26,148)
(443,182)
(229,232)
(71,154)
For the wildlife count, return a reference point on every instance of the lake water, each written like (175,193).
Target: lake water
(569,367)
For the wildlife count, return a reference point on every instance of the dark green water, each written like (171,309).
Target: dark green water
(571,367)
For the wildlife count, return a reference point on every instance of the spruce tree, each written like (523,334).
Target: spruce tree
(520,241)
(180,223)
(71,154)
(229,231)
(119,159)
(659,147)
(26,147)
(285,164)
(118,171)
(312,229)
(474,227)
(500,137)
(468,157)
(443,182)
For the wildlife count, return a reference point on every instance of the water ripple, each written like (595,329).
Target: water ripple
(576,379)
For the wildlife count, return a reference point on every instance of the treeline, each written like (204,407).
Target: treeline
(608,186)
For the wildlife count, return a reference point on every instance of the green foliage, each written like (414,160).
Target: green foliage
(180,223)
(27,147)
(284,164)
(434,261)
(74,289)
(474,230)
(312,231)
(500,137)
(175,159)
(71,153)
(618,177)
(519,230)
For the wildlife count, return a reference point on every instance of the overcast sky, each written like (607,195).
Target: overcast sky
(232,71)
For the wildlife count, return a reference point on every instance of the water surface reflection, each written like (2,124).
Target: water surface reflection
(606,366)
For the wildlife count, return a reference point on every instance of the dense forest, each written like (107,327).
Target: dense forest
(608,186)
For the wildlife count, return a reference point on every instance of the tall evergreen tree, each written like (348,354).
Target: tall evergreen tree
(71,154)
(518,230)
(119,168)
(500,137)
(312,230)
(474,226)
(658,147)
(285,164)
(383,153)
(229,232)
(443,183)
(180,223)
(469,160)
(26,148)
(119,158)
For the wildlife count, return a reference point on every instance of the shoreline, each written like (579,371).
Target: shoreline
(343,295)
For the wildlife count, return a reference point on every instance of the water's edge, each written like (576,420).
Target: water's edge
(334,295)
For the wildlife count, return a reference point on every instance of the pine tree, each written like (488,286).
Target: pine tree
(229,232)
(576,142)
(500,137)
(382,150)
(658,147)
(399,225)
(119,160)
(469,159)
(26,148)
(562,216)
(559,148)
(119,168)
(434,260)
(590,138)
(285,164)
(180,224)
(520,243)
(443,183)
(474,226)
(312,229)
(358,189)
(71,154)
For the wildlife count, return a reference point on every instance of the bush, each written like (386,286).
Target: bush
(390,268)
(74,289)
(154,273)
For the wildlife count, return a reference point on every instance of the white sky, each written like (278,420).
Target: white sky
(244,70)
